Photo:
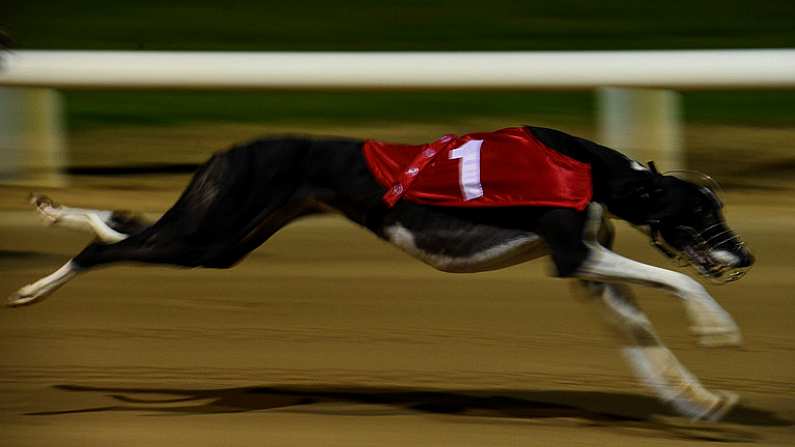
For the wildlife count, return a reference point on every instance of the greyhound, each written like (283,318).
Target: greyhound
(242,196)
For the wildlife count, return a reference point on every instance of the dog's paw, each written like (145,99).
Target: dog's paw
(26,296)
(38,291)
(47,209)
(718,337)
(726,403)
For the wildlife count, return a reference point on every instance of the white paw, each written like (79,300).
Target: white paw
(726,403)
(41,289)
(26,296)
(713,326)
(718,337)
(48,210)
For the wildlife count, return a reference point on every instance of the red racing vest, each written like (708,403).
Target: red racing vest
(509,167)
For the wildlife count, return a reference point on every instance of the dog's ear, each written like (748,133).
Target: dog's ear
(664,195)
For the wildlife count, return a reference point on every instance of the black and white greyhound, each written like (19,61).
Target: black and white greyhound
(242,196)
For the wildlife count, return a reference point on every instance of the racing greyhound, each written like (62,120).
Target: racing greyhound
(242,196)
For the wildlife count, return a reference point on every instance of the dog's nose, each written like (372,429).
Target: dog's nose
(746,259)
(744,256)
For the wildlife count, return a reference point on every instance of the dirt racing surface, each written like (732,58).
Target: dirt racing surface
(326,336)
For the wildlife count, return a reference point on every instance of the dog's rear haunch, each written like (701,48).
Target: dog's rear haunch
(471,203)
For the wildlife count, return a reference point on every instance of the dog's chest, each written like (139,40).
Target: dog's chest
(464,250)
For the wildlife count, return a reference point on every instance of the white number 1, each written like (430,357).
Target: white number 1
(469,168)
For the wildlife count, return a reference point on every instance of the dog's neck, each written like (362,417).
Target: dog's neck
(645,200)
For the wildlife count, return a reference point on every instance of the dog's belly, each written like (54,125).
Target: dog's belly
(471,249)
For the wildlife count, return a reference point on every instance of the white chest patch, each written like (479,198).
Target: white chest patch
(511,252)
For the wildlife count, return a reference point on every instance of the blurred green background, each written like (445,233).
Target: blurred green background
(408,25)
(398,25)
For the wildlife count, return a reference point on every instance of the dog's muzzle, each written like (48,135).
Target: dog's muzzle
(722,257)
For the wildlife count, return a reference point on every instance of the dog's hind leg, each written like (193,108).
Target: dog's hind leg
(162,243)
(710,322)
(102,223)
(108,226)
(42,288)
(233,203)
(650,359)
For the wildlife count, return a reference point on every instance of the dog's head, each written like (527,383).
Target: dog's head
(687,224)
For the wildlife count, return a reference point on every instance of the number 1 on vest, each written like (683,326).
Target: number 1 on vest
(469,168)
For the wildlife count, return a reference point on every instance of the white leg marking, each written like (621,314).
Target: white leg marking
(510,253)
(659,370)
(79,219)
(652,362)
(709,321)
(42,288)
(105,233)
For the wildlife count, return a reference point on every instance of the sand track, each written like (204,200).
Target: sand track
(325,336)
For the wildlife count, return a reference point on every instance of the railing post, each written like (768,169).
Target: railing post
(32,143)
(643,123)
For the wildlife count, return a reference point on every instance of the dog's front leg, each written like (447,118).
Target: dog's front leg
(709,321)
(651,361)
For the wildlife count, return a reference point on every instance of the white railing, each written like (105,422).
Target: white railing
(643,122)
(396,70)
